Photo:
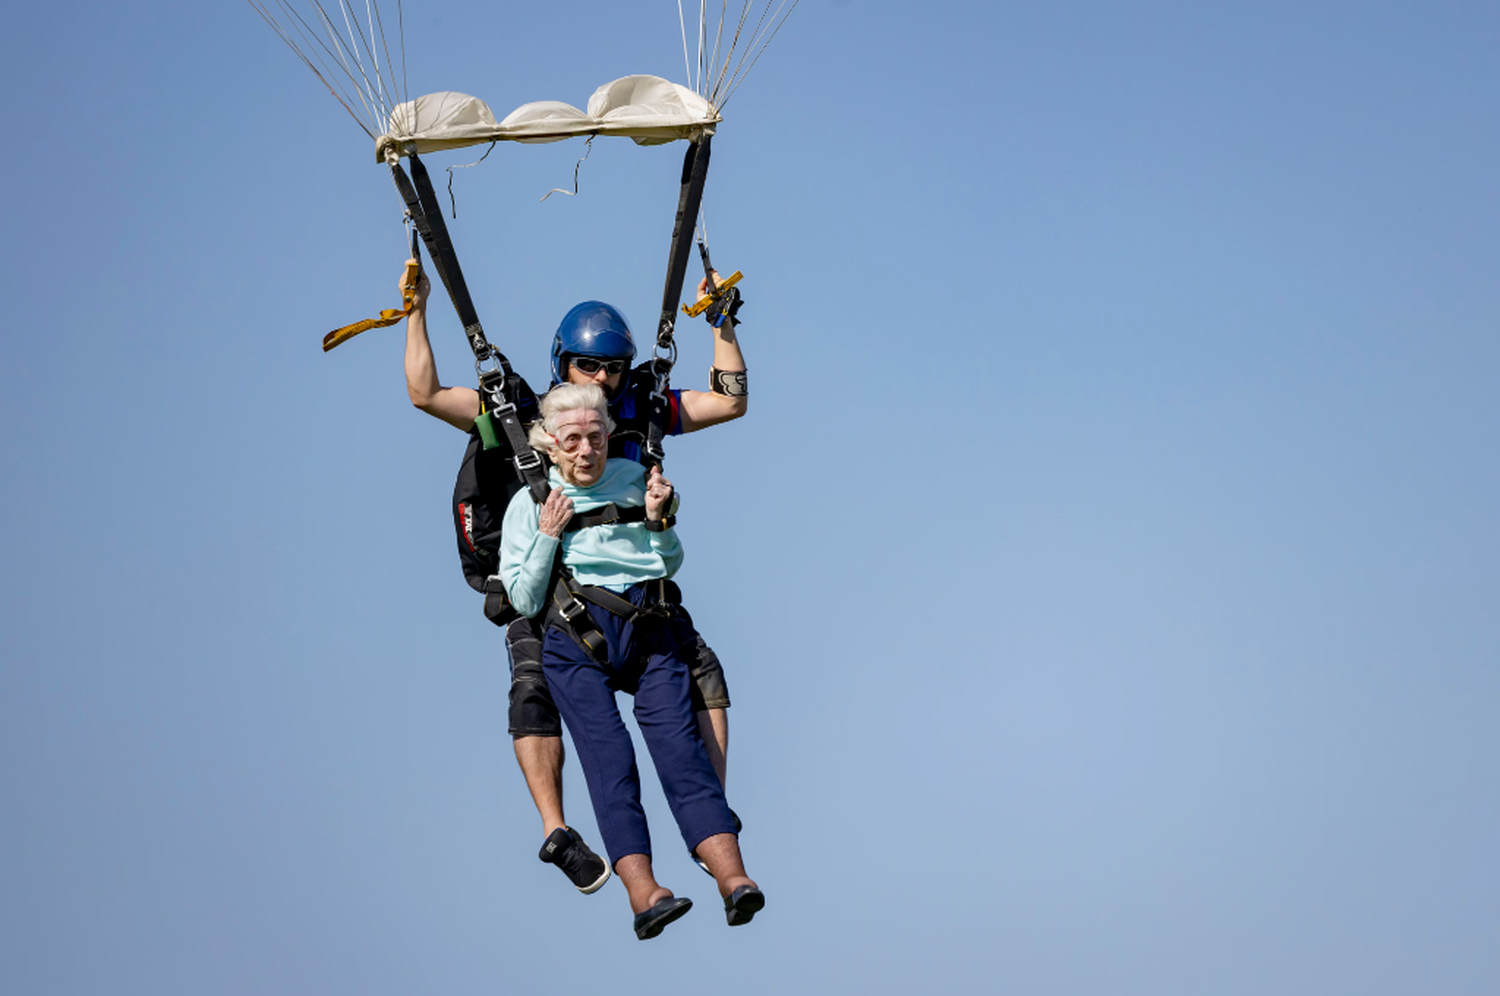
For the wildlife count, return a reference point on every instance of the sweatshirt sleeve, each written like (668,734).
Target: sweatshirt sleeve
(526,554)
(669,548)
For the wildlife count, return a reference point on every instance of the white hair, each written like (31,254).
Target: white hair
(566,398)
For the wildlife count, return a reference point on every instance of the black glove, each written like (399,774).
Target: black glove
(726,308)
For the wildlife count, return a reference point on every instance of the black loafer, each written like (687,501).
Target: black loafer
(741,905)
(655,920)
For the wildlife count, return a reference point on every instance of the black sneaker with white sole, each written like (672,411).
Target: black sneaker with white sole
(738,826)
(585,869)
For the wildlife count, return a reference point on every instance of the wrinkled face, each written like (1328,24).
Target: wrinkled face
(581,446)
(601,376)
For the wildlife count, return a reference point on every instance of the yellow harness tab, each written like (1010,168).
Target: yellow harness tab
(702,304)
(388,316)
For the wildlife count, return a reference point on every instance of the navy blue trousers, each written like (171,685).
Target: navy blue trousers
(644,661)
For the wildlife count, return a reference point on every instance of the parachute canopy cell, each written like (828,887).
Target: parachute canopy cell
(648,109)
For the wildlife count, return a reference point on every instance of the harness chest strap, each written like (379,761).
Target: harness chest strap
(497,602)
(612,514)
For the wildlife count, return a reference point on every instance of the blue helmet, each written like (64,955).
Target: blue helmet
(592,328)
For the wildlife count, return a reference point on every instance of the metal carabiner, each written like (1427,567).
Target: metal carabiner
(481,370)
(670,359)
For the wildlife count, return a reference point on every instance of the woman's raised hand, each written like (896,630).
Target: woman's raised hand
(556,511)
(658,493)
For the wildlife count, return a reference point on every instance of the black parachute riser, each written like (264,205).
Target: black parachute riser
(498,386)
(446,260)
(689,199)
(458,288)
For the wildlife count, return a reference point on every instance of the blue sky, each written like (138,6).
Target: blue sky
(1105,573)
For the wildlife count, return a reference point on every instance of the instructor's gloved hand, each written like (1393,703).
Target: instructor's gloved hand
(725,309)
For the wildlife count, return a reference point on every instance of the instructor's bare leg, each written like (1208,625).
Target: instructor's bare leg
(541,761)
(713,726)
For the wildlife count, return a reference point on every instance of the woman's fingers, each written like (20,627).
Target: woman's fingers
(556,511)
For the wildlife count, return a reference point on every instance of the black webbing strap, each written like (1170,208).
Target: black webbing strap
(498,383)
(569,613)
(690,198)
(605,515)
(458,288)
(497,607)
(434,233)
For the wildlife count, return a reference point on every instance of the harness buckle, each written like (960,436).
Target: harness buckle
(572,610)
(656,603)
(530,460)
(485,353)
(477,342)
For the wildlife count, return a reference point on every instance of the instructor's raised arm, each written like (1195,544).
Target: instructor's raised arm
(458,406)
(727,400)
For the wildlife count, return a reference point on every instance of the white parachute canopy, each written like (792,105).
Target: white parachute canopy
(359,54)
(648,109)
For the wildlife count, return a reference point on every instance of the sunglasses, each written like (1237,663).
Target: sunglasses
(592,365)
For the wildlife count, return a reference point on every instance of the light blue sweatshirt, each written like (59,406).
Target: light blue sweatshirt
(615,556)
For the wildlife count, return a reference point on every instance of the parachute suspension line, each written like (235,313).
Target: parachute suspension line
(373,95)
(401,34)
(338,53)
(687,65)
(453,203)
(733,45)
(588,146)
(766,30)
(390,68)
(376,90)
(302,28)
(702,229)
(713,60)
(354,62)
(379,94)
(702,12)
(375,60)
(723,63)
(367,96)
(702,44)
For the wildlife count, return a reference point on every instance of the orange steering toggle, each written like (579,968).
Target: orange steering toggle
(702,304)
(388,316)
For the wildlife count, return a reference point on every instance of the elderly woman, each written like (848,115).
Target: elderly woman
(606,618)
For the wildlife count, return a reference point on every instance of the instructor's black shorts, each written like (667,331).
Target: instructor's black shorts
(532,711)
